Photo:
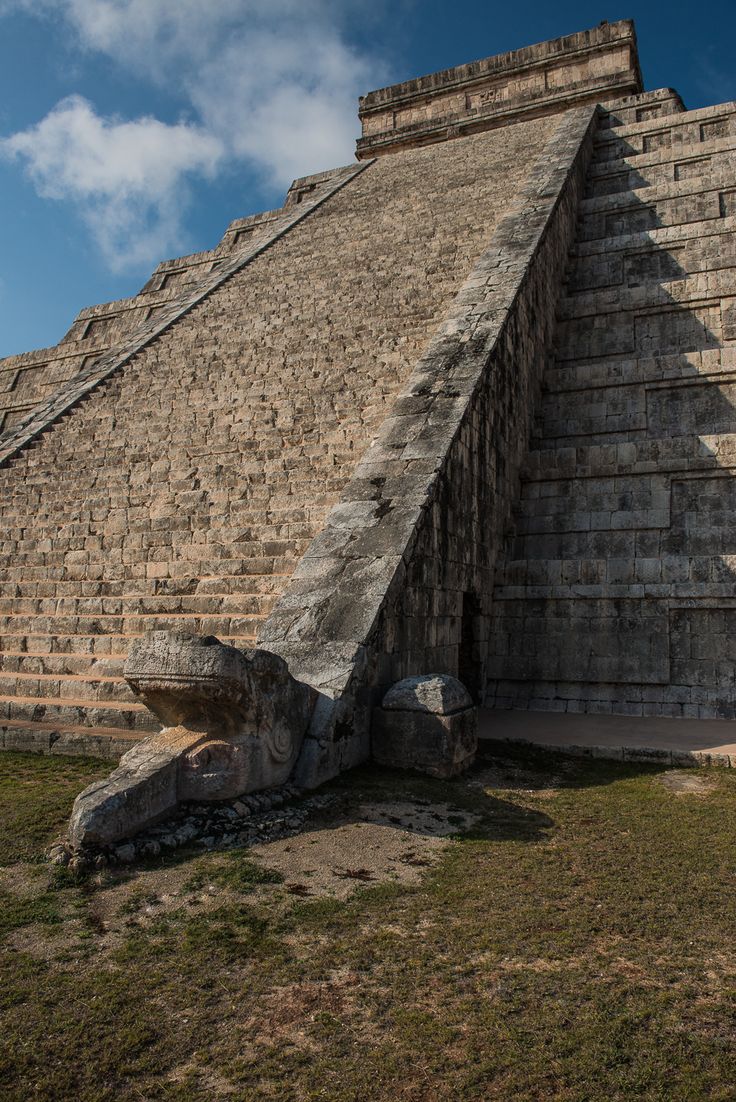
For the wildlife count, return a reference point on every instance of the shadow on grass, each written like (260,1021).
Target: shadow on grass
(556,769)
(465,808)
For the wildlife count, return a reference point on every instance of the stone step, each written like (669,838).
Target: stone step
(579,518)
(78,712)
(564,380)
(84,560)
(271,508)
(659,570)
(642,216)
(87,539)
(693,592)
(680,137)
(605,698)
(658,330)
(130,624)
(60,664)
(662,282)
(702,165)
(96,645)
(649,170)
(159,574)
(657,165)
(639,457)
(697,525)
(50,737)
(712,239)
(65,687)
(134,589)
(269,470)
(683,127)
(591,545)
(598,415)
(706,257)
(644,106)
(712,179)
(198,604)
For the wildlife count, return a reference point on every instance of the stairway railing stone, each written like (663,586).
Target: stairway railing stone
(353,617)
(77,388)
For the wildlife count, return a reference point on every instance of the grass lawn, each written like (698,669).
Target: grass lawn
(575,941)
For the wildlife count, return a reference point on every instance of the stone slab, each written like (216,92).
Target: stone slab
(619,738)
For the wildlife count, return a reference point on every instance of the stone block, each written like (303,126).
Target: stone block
(428,724)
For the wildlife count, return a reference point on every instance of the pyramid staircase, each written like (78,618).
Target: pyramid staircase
(64,635)
(617,591)
(181,491)
(597,603)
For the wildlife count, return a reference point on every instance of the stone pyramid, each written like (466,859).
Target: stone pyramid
(462,407)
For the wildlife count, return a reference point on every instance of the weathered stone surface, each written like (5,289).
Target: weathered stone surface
(40,386)
(235,724)
(190,679)
(251,711)
(588,67)
(143,789)
(616,593)
(407,589)
(184,490)
(437,693)
(426,723)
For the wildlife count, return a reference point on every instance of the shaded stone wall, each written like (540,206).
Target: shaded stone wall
(440,620)
(617,593)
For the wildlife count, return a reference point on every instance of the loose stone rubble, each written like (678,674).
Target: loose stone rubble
(255,818)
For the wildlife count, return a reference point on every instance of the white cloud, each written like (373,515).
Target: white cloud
(293,112)
(124,175)
(271,83)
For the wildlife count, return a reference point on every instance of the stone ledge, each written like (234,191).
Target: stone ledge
(78,744)
(650,740)
(644,755)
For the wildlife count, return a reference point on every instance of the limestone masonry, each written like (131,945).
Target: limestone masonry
(464,408)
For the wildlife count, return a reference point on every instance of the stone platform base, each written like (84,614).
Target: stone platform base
(80,742)
(618,738)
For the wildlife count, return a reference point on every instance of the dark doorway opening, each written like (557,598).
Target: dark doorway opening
(469,661)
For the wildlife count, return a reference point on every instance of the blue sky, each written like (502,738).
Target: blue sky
(135,130)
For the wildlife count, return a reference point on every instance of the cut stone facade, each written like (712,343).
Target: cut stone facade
(617,590)
(462,408)
(185,488)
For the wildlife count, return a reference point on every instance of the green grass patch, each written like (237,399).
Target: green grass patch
(36,797)
(234,871)
(17,913)
(576,945)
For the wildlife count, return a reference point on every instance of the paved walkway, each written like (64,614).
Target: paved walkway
(622,738)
